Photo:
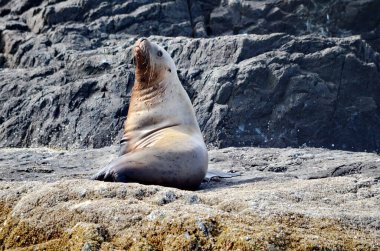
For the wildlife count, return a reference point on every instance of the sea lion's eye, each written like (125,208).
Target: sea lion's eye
(170,70)
(159,53)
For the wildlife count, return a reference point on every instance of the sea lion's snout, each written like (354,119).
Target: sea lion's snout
(141,43)
(141,52)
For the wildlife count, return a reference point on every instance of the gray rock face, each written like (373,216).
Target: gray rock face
(298,17)
(67,71)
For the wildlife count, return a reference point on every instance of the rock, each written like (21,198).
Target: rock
(265,90)
(203,18)
(262,208)
(168,197)
(299,17)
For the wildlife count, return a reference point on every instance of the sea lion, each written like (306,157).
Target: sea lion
(164,143)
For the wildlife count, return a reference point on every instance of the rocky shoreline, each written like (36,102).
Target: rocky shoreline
(271,81)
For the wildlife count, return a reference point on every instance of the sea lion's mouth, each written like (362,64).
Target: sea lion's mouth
(142,61)
(141,54)
(146,71)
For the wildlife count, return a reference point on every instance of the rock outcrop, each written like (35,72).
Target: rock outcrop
(285,199)
(297,17)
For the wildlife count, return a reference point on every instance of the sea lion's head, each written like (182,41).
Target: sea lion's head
(153,63)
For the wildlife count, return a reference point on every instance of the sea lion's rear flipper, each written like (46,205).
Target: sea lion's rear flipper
(99,176)
(212,174)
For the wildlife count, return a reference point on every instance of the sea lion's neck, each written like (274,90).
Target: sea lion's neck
(146,94)
(145,78)
(161,106)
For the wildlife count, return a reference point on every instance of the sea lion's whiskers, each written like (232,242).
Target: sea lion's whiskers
(145,62)
(151,69)
(133,59)
(147,67)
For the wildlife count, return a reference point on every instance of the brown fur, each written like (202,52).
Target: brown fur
(164,142)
